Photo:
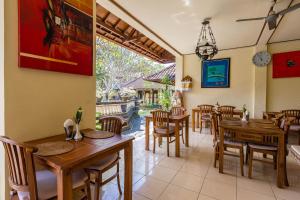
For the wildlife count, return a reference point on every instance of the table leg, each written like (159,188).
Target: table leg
(221,150)
(64,185)
(147,134)
(128,172)
(177,139)
(193,120)
(280,163)
(197,120)
(187,132)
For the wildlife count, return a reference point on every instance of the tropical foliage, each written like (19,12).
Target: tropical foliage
(165,96)
(116,65)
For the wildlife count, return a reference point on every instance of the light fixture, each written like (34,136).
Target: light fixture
(206,45)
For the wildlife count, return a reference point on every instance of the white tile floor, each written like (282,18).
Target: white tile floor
(193,177)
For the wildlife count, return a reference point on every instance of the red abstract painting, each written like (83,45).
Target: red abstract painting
(286,64)
(56,35)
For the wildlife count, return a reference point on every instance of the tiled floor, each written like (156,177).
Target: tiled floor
(193,177)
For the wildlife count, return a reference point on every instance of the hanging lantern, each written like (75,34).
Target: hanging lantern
(206,46)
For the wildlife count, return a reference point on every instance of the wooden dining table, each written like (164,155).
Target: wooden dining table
(196,112)
(85,152)
(254,132)
(177,120)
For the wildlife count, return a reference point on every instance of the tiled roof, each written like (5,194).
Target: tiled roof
(139,83)
(157,77)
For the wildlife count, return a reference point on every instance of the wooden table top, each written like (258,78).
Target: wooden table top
(173,117)
(254,125)
(84,150)
(197,109)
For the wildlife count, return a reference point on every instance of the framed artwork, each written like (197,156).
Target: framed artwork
(216,73)
(286,64)
(56,35)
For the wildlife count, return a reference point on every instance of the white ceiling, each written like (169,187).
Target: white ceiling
(178,22)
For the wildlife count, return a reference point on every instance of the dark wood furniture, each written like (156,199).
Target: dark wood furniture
(228,143)
(29,183)
(196,117)
(295,125)
(114,125)
(226,111)
(254,132)
(177,111)
(205,115)
(162,128)
(85,153)
(177,120)
(269,145)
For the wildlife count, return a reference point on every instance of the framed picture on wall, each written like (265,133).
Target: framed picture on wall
(215,73)
(56,35)
(286,65)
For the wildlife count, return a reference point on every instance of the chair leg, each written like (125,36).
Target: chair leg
(200,124)
(154,141)
(98,182)
(118,179)
(250,163)
(247,154)
(216,156)
(299,139)
(242,160)
(182,136)
(88,189)
(275,161)
(168,146)
(210,126)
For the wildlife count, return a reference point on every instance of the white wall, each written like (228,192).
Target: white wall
(241,81)
(2,157)
(37,102)
(283,93)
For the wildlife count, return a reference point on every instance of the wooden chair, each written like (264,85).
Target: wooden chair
(228,143)
(268,147)
(110,124)
(32,184)
(295,125)
(226,111)
(205,113)
(162,128)
(177,110)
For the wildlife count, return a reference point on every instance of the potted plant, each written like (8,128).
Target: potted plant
(165,98)
(77,119)
(245,114)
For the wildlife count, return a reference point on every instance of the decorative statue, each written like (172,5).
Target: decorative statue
(177,99)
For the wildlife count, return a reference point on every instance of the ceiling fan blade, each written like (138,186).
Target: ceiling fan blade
(290,9)
(250,19)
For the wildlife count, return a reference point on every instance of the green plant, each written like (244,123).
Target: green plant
(165,97)
(78,115)
(244,108)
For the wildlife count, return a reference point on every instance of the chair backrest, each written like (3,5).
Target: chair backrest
(226,111)
(112,124)
(205,108)
(21,167)
(292,113)
(215,126)
(161,120)
(177,110)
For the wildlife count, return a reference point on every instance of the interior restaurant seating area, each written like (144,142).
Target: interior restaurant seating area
(230,130)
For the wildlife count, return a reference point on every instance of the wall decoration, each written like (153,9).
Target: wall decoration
(216,73)
(286,64)
(56,35)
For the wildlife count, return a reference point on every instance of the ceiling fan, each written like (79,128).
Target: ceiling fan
(271,19)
